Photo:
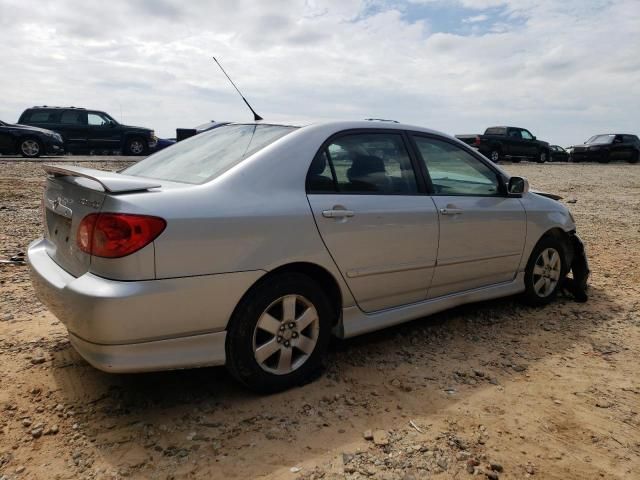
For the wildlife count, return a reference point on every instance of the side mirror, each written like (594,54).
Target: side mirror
(533,137)
(517,186)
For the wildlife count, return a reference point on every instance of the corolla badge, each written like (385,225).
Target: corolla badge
(89,203)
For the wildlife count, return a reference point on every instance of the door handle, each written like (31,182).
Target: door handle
(338,213)
(451,211)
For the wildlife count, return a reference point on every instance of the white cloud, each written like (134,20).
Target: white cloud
(476,19)
(564,70)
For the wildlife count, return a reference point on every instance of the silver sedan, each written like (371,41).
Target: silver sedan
(250,245)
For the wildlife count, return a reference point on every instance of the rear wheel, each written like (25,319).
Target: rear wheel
(279,333)
(545,270)
(634,157)
(495,156)
(136,146)
(30,148)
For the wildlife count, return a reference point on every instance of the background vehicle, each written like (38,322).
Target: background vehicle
(162,143)
(184,133)
(558,154)
(30,142)
(85,130)
(249,245)
(608,147)
(514,143)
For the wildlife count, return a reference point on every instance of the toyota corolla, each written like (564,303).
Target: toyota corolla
(250,245)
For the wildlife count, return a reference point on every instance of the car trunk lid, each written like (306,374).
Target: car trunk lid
(70,194)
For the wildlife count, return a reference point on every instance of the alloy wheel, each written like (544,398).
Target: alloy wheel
(546,272)
(286,334)
(30,148)
(495,156)
(136,147)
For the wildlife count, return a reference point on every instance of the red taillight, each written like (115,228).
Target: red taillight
(115,235)
(477,141)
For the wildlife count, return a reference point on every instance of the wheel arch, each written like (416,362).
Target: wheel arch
(562,236)
(321,275)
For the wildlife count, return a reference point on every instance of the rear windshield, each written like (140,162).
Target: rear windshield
(207,155)
(495,131)
(601,139)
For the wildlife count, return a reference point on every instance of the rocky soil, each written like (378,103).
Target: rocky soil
(491,391)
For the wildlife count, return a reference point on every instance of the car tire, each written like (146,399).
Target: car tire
(30,147)
(545,271)
(270,326)
(635,156)
(136,146)
(543,156)
(495,155)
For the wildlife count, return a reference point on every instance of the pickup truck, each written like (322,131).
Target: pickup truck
(513,143)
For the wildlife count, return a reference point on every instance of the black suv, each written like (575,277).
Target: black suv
(86,131)
(30,142)
(606,147)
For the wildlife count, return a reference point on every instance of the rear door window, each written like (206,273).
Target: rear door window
(365,163)
(73,117)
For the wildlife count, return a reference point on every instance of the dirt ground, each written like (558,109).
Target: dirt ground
(496,389)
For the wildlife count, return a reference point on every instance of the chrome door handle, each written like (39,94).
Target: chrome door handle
(451,211)
(338,213)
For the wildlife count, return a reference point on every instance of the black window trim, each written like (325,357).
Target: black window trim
(422,189)
(502,193)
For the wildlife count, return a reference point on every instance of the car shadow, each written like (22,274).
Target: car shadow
(168,421)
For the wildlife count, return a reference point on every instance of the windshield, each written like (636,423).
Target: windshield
(600,139)
(207,155)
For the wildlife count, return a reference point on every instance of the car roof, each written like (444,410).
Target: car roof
(349,125)
(42,107)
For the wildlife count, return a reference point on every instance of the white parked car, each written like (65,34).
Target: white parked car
(250,245)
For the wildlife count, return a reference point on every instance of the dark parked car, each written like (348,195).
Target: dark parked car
(513,143)
(607,147)
(162,144)
(30,142)
(558,154)
(85,130)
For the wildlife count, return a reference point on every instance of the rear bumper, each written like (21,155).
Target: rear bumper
(187,352)
(140,325)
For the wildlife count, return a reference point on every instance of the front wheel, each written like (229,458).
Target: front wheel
(31,148)
(278,335)
(543,156)
(546,268)
(136,146)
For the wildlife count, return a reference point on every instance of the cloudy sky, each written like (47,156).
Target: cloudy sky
(565,69)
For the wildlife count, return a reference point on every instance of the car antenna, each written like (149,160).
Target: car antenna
(256,117)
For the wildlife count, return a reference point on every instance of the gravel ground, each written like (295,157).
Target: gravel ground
(496,389)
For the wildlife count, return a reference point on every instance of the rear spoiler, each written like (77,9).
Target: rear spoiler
(111,182)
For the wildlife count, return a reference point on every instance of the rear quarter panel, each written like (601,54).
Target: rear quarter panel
(255,216)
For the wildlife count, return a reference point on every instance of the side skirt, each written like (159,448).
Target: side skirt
(356,322)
